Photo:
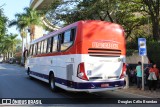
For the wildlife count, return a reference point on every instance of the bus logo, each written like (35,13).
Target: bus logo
(107,45)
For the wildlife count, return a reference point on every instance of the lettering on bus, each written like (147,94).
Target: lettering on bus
(105,45)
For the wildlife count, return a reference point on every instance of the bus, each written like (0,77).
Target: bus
(86,56)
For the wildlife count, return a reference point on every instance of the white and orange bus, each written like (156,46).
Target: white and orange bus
(84,56)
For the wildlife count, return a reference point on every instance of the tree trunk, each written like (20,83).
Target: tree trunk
(155,28)
(22,58)
(4,57)
(7,55)
(26,41)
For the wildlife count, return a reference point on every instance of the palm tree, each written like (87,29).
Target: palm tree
(9,43)
(27,19)
(21,24)
(33,18)
(12,42)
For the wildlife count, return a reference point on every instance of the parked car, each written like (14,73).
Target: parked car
(12,60)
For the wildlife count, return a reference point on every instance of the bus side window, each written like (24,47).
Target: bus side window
(31,50)
(73,33)
(59,43)
(39,48)
(55,44)
(34,48)
(45,46)
(49,40)
(42,46)
(61,36)
(66,40)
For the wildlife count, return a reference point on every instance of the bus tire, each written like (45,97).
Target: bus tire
(29,73)
(52,85)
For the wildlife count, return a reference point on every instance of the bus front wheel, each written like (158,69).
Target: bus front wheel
(29,73)
(53,87)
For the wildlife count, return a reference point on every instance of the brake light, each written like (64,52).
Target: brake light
(81,72)
(123,71)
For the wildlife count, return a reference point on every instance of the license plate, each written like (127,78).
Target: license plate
(104,85)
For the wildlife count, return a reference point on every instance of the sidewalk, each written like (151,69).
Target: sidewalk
(146,92)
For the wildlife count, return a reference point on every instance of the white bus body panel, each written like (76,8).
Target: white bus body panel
(98,70)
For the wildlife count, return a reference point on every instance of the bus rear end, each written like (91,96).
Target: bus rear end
(100,49)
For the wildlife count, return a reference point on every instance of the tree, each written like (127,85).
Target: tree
(32,18)
(123,12)
(153,9)
(3,24)
(21,24)
(9,44)
(26,20)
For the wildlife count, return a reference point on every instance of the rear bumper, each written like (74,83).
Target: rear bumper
(88,90)
(99,85)
(91,86)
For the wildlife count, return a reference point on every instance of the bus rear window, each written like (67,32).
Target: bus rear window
(67,39)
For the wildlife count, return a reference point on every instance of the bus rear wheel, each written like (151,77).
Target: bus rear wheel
(53,87)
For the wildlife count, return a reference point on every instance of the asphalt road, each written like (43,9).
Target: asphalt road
(14,83)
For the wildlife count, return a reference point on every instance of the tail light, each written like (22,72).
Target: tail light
(123,71)
(81,72)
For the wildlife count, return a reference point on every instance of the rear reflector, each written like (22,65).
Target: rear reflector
(123,71)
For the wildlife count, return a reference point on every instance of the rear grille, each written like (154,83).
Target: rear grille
(98,52)
(92,78)
(110,77)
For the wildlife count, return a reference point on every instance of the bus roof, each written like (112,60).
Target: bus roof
(68,27)
(54,32)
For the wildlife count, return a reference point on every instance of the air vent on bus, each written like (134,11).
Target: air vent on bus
(98,52)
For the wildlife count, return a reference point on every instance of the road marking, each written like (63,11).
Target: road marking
(2,67)
(11,74)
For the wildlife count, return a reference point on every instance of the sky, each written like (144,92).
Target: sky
(10,8)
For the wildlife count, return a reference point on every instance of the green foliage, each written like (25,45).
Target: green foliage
(29,18)
(19,48)
(18,58)
(138,18)
(132,44)
(9,43)
(153,10)
(153,51)
(128,13)
(3,23)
